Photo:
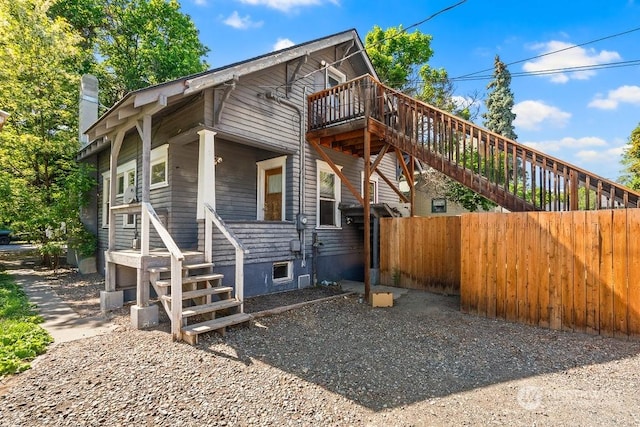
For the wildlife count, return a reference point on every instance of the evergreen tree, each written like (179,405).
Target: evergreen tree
(500,116)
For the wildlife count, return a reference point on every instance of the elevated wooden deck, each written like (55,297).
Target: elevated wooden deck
(365,118)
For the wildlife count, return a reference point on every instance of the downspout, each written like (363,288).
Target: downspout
(274,97)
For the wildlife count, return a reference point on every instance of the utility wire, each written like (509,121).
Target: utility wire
(553,52)
(404,30)
(551,71)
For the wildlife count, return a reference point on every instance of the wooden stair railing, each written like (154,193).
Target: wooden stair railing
(212,218)
(191,290)
(511,174)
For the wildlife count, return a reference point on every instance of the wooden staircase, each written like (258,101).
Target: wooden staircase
(365,113)
(206,304)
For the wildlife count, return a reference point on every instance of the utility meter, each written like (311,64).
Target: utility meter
(301,223)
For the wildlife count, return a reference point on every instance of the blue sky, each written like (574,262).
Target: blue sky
(583,117)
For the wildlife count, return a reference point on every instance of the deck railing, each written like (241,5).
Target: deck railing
(212,217)
(511,174)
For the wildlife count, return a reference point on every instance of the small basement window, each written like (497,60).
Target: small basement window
(282,271)
(438,205)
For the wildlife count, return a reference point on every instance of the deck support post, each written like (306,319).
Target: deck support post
(367,207)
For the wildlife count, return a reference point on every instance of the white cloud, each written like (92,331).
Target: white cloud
(574,57)
(551,146)
(241,23)
(287,5)
(462,102)
(200,2)
(531,114)
(282,44)
(623,94)
(602,156)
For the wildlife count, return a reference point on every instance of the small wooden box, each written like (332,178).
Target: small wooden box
(382,299)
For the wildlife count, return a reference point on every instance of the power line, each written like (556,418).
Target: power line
(553,52)
(551,71)
(404,30)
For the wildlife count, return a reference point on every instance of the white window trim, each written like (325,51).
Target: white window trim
(105,198)
(322,166)
(263,166)
(123,169)
(158,155)
(373,178)
(336,74)
(289,277)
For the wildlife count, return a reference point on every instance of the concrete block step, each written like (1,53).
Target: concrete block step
(201,292)
(192,279)
(210,308)
(190,333)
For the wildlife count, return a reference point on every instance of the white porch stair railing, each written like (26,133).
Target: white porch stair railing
(212,217)
(193,291)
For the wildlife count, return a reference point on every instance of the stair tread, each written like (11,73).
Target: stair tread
(167,269)
(197,266)
(208,308)
(192,279)
(201,292)
(219,323)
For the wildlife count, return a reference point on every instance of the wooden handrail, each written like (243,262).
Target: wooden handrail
(177,257)
(212,217)
(511,174)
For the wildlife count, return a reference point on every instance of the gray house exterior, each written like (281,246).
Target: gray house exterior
(231,140)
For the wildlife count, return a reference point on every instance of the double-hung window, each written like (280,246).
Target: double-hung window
(328,196)
(125,177)
(159,166)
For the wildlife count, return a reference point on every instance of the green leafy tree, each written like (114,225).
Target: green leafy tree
(399,57)
(631,161)
(38,86)
(138,42)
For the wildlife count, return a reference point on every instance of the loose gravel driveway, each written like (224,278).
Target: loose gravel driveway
(419,363)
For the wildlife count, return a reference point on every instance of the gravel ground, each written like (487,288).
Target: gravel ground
(421,362)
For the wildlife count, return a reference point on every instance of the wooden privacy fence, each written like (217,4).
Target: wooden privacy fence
(569,270)
(576,271)
(421,253)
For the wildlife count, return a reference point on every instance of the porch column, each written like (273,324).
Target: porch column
(206,171)
(111,299)
(142,314)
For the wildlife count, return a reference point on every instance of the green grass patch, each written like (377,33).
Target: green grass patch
(21,338)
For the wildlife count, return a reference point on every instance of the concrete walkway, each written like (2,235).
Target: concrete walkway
(60,320)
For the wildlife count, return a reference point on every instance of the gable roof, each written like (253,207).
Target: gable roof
(152,99)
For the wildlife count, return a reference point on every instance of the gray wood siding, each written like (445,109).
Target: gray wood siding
(349,238)
(266,241)
(265,129)
(183,186)
(247,113)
